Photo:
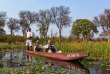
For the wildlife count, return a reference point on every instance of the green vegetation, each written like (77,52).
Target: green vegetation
(84,28)
(97,50)
(6,47)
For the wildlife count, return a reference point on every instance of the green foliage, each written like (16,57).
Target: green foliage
(12,39)
(2,22)
(83,27)
(2,32)
(42,32)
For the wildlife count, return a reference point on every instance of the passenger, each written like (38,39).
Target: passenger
(50,48)
(37,46)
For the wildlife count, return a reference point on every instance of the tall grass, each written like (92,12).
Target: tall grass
(97,50)
(11,46)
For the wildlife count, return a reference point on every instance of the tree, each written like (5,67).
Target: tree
(24,26)
(84,28)
(103,35)
(2,22)
(44,19)
(61,18)
(27,18)
(13,25)
(2,32)
(103,20)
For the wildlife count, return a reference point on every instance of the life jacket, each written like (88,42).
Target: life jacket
(52,48)
(37,49)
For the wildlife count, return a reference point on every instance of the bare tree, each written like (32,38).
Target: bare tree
(103,20)
(27,18)
(61,18)
(44,19)
(103,35)
(13,25)
(24,26)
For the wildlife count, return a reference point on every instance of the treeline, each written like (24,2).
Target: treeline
(58,16)
(22,40)
(83,29)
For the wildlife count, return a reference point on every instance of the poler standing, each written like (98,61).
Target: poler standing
(29,39)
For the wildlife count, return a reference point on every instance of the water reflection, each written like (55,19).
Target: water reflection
(18,59)
(73,65)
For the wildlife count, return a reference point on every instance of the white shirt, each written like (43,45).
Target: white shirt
(46,46)
(29,34)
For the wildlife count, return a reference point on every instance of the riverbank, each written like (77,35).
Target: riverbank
(6,46)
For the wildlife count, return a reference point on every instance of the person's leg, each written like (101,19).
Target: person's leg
(28,48)
(30,44)
(27,44)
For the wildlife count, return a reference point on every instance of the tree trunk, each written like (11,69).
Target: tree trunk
(59,35)
(11,32)
(46,37)
(23,33)
(108,37)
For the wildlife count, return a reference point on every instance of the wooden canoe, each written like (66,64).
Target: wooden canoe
(65,56)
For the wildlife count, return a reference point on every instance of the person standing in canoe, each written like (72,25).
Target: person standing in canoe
(29,39)
(37,46)
(50,48)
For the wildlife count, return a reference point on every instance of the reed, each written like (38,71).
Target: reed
(97,50)
(11,46)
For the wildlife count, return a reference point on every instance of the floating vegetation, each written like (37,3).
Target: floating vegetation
(107,69)
(102,65)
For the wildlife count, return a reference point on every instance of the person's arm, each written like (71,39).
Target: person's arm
(45,47)
(34,48)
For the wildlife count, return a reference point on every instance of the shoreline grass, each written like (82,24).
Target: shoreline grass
(6,46)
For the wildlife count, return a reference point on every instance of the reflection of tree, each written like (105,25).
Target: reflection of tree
(1,56)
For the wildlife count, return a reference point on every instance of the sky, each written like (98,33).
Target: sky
(80,9)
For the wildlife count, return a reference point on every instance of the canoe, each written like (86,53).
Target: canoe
(65,56)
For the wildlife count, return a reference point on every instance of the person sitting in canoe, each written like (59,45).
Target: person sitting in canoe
(37,46)
(50,48)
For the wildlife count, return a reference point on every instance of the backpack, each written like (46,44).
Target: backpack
(52,48)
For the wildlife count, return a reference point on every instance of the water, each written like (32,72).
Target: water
(19,62)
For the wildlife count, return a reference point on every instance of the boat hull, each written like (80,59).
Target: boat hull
(65,56)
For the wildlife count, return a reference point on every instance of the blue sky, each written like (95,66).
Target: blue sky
(80,9)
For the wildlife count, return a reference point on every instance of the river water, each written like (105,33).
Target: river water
(19,62)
